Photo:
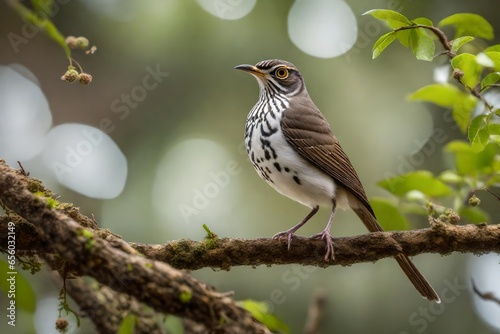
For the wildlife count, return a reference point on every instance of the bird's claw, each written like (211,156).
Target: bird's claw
(325,235)
(287,234)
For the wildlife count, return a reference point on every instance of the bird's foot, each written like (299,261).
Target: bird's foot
(325,235)
(285,234)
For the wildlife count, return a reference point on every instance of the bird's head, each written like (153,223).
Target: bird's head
(276,77)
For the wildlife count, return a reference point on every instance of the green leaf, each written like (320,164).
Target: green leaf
(422,45)
(463,109)
(384,41)
(260,311)
(391,18)
(495,47)
(422,181)
(473,214)
(444,95)
(478,133)
(495,57)
(128,325)
(449,176)
(467,63)
(470,162)
(490,79)
(494,129)
(465,157)
(423,21)
(24,295)
(469,24)
(388,215)
(404,37)
(459,42)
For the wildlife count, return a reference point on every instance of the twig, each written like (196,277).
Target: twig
(316,312)
(485,295)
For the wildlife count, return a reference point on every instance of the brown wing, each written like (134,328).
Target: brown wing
(308,132)
(305,128)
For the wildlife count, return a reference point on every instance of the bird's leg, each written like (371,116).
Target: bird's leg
(327,236)
(289,233)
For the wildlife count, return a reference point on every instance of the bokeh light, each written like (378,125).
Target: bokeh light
(196,183)
(24,113)
(86,160)
(485,272)
(228,9)
(322,28)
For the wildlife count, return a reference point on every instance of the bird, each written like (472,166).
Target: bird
(292,147)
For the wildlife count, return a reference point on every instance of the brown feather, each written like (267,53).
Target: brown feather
(308,132)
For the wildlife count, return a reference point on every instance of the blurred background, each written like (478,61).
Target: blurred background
(153,147)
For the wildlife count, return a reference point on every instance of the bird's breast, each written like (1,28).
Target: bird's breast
(280,165)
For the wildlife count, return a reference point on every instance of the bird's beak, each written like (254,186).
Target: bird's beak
(250,69)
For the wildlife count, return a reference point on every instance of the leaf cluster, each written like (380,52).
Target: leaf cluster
(476,161)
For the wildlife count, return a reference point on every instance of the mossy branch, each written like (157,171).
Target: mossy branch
(146,272)
(99,254)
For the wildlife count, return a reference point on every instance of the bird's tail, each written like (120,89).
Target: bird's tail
(416,278)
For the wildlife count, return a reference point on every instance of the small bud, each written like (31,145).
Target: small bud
(452,216)
(71,41)
(458,74)
(70,75)
(474,201)
(61,325)
(85,78)
(82,42)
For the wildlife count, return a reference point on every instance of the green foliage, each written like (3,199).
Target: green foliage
(459,42)
(422,44)
(410,33)
(478,133)
(422,181)
(471,69)
(468,24)
(383,42)
(490,80)
(128,325)
(260,311)
(388,214)
(444,95)
(475,73)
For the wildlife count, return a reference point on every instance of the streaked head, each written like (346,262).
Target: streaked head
(276,77)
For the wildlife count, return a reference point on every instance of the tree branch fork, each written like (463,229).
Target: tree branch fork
(150,273)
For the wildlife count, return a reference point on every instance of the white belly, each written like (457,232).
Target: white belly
(290,174)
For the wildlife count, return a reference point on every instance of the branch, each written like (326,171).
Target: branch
(154,283)
(107,308)
(441,239)
(224,253)
(141,270)
(485,295)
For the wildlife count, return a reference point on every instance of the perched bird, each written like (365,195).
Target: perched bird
(292,147)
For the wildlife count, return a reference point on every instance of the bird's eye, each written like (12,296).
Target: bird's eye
(281,73)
